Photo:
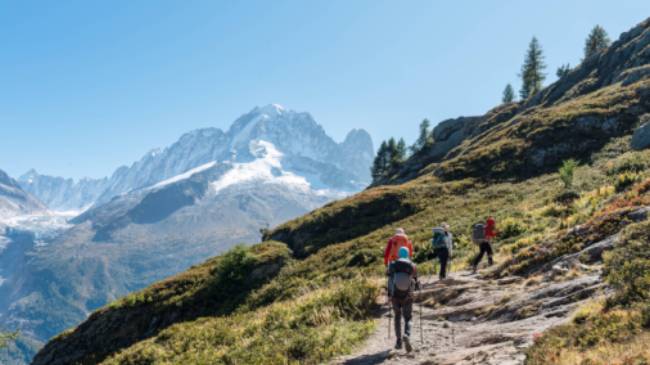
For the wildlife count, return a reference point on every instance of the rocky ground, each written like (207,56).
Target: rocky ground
(469,319)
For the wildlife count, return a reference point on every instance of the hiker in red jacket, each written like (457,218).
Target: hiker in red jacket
(490,229)
(400,239)
(485,242)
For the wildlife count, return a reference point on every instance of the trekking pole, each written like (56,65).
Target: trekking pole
(390,311)
(420,305)
(390,317)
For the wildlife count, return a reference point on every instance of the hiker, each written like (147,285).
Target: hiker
(442,243)
(402,279)
(482,235)
(399,240)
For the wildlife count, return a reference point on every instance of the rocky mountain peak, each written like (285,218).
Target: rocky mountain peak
(300,139)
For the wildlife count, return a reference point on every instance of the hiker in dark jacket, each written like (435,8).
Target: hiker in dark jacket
(482,235)
(402,279)
(443,245)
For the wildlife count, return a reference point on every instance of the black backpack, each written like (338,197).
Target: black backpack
(401,280)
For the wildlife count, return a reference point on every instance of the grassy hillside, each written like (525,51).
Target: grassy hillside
(312,292)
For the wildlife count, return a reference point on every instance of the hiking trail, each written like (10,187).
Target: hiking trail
(469,319)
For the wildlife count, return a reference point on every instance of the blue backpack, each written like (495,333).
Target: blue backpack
(438,240)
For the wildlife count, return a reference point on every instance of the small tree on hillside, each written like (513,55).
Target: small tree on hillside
(563,70)
(567,171)
(531,74)
(597,40)
(424,139)
(508,94)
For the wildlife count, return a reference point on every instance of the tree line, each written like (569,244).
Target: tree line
(392,153)
(532,71)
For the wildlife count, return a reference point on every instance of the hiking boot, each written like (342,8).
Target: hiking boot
(398,344)
(407,344)
(474,270)
(490,261)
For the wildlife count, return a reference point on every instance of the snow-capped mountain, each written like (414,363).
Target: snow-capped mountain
(14,200)
(63,194)
(307,151)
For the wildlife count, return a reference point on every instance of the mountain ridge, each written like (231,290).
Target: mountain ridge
(272,122)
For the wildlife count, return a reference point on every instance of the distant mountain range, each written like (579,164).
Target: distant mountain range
(170,210)
(307,151)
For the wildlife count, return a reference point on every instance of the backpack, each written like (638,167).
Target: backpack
(438,240)
(399,241)
(478,233)
(400,283)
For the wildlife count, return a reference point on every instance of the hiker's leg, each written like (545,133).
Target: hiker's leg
(397,313)
(444,257)
(478,258)
(488,250)
(407,311)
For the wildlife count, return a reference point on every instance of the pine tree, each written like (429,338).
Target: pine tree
(424,139)
(563,71)
(531,74)
(391,153)
(397,153)
(596,41)
(508,94)
(379,165)
(401,150)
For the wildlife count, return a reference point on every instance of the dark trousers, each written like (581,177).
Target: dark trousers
(402,307)
(442,253)
(486,248)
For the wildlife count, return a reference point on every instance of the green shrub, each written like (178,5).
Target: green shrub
(567,197)
(567,171)
(558,211)
(627,267)
(627,164)
(626,180)
(511,227)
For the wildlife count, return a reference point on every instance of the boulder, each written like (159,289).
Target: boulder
(641,136)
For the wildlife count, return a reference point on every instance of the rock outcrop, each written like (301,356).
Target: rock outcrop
(641,136)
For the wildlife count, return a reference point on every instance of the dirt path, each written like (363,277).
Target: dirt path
(469,320)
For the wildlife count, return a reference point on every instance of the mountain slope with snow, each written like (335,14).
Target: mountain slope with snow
(14,200)
(308,152)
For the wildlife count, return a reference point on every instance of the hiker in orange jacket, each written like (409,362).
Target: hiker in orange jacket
(400,239)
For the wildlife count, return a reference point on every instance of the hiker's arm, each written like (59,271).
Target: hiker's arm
(387,252)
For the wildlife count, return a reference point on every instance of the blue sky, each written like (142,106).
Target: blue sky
(86,86)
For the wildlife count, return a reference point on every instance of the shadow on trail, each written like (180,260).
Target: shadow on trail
(371,359)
